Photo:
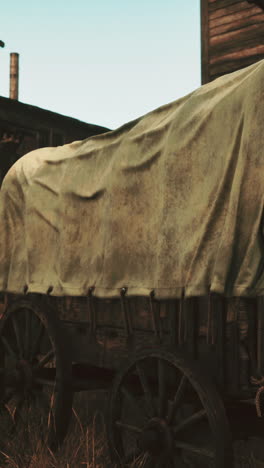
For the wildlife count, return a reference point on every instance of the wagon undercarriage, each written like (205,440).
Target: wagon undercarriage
(176,369)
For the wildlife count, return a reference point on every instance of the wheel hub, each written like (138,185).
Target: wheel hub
(156,437)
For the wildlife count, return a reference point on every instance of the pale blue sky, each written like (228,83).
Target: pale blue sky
(103,61)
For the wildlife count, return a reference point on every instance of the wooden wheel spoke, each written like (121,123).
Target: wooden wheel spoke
(146,390)
(178,397)
(194,418)
(18,337)
(128,427)
(161,377)
(36,344)
(45,359)
(8,348)
(194,449)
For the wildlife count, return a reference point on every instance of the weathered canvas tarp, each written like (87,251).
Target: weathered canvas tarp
(172,201)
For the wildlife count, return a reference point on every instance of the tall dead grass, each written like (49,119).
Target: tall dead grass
(85,445)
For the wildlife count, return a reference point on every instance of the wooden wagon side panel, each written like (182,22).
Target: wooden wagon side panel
(225,335)
(100,335)
(232,33)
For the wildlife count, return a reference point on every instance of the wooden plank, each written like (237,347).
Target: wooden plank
(234,17)
(173,313)
(224,67)
(219,305)
(239,36)
(213,6)
(245,22)
(205,41)
(238,54)
(237,42)
(234,8)
(235,358)
(191,309)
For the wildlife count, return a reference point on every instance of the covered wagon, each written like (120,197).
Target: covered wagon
(134,260)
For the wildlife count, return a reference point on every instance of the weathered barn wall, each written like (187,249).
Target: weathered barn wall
(232,33)
(24,128)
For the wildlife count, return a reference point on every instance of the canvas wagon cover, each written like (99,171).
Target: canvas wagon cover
(170,202)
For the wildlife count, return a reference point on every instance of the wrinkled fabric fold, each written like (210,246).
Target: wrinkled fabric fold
(170,202)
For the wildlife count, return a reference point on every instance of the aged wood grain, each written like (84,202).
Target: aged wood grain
(256,50)
(229,66)
(235,31)
(233,17)
(205,41)
(233,8)
(215,5)
(237,43)
(239,35)
(242,23)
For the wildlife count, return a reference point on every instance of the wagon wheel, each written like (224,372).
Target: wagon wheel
(35,382)
(164,413)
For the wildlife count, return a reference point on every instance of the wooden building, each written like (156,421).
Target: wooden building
(24,128)
(232,34)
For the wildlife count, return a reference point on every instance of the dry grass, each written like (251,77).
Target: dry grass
(86,443)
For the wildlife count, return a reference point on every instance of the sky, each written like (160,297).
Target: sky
(104,62)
